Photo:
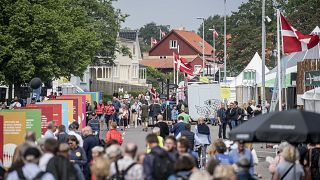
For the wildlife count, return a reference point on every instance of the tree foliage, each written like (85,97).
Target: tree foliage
(302,14)
(148,31)
(244,30)
(54,38)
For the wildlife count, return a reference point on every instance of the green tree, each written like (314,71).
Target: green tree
(302,14)
(54,38)
(148,31)
(215,21)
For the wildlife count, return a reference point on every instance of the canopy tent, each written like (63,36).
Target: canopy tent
(255,66)
(311,100)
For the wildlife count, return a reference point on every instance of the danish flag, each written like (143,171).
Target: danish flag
(182,64)
(294,40)
(215,34)
(153,41)
(162,33)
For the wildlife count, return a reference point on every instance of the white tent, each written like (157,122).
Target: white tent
(246,88)
(311,100)
(255,65)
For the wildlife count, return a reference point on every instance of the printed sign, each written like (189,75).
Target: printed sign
(1,138)
(225,92)
(46,114)
(14,129)
(70,108)
(33,119)
(312,78)
(81,107)
(64,111)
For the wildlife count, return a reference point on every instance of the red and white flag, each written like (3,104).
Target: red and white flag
(294,40)
(215,34)
(162,33)
(153,41)
(182,64)
(195,73)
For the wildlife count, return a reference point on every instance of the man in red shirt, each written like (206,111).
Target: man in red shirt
(114,134)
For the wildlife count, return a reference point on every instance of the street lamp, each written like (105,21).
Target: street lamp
(225,44)
(214,48)
(263,54)
(202,18)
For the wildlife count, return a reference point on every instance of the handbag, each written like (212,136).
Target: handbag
(307,168)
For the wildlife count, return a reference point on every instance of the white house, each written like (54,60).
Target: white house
(125,73)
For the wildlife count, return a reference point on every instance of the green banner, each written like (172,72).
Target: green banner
(312,78)
(33,119)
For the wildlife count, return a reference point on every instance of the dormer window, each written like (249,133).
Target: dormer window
(173,44)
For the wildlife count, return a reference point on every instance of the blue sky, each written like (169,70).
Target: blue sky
(176,13)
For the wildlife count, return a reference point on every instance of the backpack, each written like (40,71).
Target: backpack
(162,165)
(120,175)
(22,177)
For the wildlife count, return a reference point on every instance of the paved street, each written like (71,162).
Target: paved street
(137,136)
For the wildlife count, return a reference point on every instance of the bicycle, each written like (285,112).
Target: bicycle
(201,150)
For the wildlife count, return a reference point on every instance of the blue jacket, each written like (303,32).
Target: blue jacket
(148,163)
(177,128)
(90,142)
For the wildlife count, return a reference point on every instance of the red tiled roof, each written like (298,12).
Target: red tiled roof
(195,41)
(158,63)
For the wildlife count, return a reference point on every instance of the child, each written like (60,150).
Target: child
(174,114)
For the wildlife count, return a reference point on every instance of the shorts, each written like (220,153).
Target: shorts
(144,119)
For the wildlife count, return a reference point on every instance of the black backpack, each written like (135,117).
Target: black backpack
(22,177)
(120,175)
(162,165)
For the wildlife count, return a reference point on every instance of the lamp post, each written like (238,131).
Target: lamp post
(225,44)
(203,64)
(263,54)
(214,48)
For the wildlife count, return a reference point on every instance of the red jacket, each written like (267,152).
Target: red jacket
(114,134)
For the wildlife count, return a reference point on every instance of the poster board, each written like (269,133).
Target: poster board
(75,107)
(69,108)
(33,119)
(64,111)
(1,138)
(46,114)
(82,110)
(14,129)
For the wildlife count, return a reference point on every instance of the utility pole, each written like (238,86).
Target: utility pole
(263,53)
(225,44)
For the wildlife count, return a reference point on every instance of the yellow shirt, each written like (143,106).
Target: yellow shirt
(160,140)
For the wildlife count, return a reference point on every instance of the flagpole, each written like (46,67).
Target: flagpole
(174,68)
(178,65)
(263,53)
(278,62)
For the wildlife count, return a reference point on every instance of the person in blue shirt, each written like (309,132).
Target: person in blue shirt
(178,127)
(220,155)
(239,152)
(174,114)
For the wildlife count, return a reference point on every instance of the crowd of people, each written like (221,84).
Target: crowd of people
(174,148)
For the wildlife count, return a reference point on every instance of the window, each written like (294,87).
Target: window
(173,44)
(197,68)
(249,75)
